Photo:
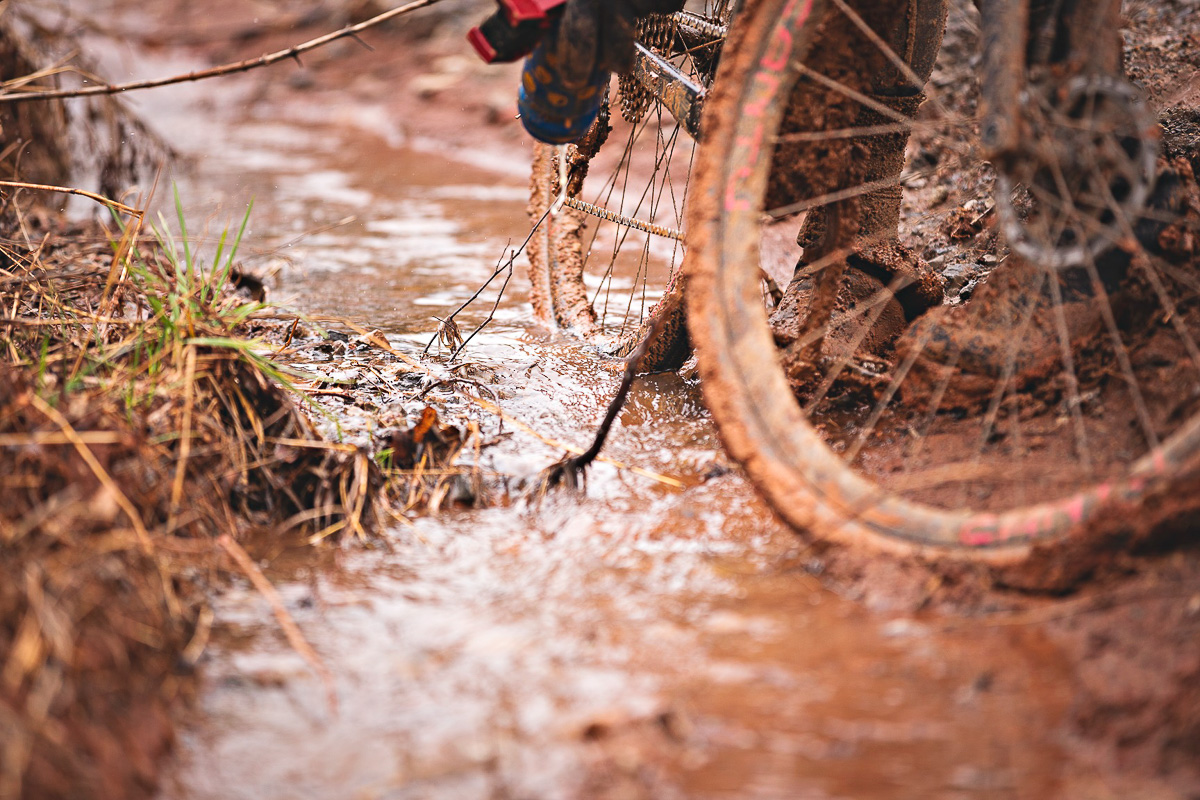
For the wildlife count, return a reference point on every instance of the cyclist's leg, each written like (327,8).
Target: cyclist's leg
(1066,45)
(877,259)
(1085,34)
(898,94)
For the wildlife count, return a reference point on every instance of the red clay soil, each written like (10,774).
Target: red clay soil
(1127,612)
(1127,616)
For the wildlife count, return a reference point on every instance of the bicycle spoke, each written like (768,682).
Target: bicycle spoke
(881,406)
(857,132)
(909,74)
(1074,400)
(873,307)
(1101,297)
(1142,260)
(848,193)
(1012,343)
(1139,402)
(949,370)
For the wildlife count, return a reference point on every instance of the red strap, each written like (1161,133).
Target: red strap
(523,10)
(482,46)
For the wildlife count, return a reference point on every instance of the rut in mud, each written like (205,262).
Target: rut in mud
(650,638)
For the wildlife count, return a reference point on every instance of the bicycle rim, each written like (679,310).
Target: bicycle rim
(901,449)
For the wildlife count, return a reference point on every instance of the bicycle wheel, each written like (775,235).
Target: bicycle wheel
(605,254)
(1043,401)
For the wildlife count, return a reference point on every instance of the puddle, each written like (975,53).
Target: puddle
(636,641)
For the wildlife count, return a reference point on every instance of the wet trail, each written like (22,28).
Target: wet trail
(635,641)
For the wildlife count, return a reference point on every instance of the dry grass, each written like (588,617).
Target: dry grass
(140,440)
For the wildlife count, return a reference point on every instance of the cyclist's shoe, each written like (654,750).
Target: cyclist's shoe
(881,290)
(599,35)
(918,287)
(858,289)
(877,274)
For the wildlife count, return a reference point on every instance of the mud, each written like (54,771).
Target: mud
(642,639)
(557,293)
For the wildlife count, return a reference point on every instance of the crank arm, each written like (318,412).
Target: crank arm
(684,99)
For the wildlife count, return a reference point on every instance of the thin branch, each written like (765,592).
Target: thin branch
(292,53)
(502,265)
(42,187)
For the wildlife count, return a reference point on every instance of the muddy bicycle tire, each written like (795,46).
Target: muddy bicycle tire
(571,270)
(765,428)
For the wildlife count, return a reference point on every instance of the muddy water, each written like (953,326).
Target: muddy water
(634,641)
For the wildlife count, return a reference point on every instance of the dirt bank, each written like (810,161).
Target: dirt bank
(642,640)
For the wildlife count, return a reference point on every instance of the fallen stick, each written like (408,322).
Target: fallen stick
(41,187)
(572,470)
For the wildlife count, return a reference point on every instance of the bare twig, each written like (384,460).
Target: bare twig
(41,187)
(292,53)
(491,312)
(571,470)
(502,266)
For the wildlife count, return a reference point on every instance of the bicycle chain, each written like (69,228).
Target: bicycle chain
(713,28)
(656,32)
(628,222)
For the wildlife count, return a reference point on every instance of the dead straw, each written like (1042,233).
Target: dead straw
(185,431)
(135,445)
(135,518)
